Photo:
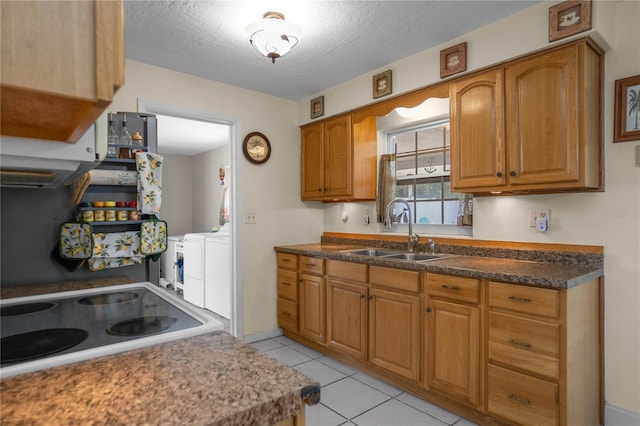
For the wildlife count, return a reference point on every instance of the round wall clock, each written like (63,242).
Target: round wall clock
(256,148)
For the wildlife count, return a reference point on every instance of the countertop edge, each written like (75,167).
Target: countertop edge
(580,274)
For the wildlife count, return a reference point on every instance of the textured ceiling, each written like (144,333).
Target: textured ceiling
(340,39)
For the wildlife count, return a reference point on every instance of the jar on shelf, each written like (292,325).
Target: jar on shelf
(121,213)
(136,140)
(110,212)
(133,214)
(98,212)
(86,215)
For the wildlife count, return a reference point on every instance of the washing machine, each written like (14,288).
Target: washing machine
(207,271)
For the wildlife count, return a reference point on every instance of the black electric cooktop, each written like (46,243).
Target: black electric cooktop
(59,324)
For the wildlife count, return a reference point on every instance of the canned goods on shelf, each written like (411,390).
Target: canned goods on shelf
(98,213)
(87,216)
(122,214)
(110,213)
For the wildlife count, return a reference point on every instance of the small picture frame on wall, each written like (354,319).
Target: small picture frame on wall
(627,110)
(569,18)
(317,107)
(381,84)
(453,60)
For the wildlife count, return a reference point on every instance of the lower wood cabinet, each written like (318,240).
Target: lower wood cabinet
(312,310)
(495,352)
(543,354)
(347,317)
(394,320)
(451,358)
(452,350)
(394,332)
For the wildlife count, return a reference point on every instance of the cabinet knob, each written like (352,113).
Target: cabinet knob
(499,174)
(370,297)
(428,310)
(512,173)
(362,296)
(319,189)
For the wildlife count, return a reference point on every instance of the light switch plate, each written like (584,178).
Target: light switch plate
(250,218)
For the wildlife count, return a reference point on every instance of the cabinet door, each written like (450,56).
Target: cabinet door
(312,307)
(312,162)
(338,157)
(477,131)
(394,335)
(347,318)
(452,335)
(542,118)
(62,62)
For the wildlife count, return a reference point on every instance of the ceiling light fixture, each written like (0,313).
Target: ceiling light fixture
(272,36)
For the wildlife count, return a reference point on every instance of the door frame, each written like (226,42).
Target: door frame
(235,198)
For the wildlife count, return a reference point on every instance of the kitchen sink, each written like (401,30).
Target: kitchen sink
(371,252)
(417,257)
(397,255)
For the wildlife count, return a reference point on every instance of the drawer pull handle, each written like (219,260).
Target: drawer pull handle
(310,264)
(285,283)
(515,342)
(521,401)
(286,260)
(450,287)
(520,299)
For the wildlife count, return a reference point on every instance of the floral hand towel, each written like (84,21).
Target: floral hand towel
(114,250)
(149,182)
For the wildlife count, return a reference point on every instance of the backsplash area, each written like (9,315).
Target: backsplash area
(30,227)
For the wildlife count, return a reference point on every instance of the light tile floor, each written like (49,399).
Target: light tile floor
(351,397)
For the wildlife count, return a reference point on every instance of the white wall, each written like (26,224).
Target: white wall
(177,197)
(207,191)
(271,190)
(610,219)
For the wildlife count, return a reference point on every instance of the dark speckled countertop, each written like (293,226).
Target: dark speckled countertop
(543,269)
(212,379)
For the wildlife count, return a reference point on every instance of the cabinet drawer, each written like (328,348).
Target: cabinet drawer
(395,278)
(347,270)
(288,284)
(287,314)
(457,288)
(522,399)
(530,300)
(312,265)
(526,344)
(287,260)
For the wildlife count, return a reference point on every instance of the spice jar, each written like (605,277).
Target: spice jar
(98,213)
(121,213)
(86,215)
(110,213)
(133,214)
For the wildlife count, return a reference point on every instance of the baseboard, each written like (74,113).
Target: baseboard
(263,335)
(617,416)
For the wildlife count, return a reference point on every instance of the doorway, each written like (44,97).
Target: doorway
(229,127)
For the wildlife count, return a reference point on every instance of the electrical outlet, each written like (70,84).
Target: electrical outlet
(250,218)
(535,214)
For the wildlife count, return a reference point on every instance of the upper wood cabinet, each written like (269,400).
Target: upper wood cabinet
(62,62)
(339,160)
(531,125)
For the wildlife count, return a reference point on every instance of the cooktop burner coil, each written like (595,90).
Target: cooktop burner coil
(39,343)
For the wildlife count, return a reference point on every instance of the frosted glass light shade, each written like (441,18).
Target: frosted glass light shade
(272,36)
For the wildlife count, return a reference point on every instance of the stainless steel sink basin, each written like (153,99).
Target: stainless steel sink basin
(371,252)
(417,257)
(397,255)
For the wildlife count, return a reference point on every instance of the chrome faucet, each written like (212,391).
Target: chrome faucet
(413,239)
